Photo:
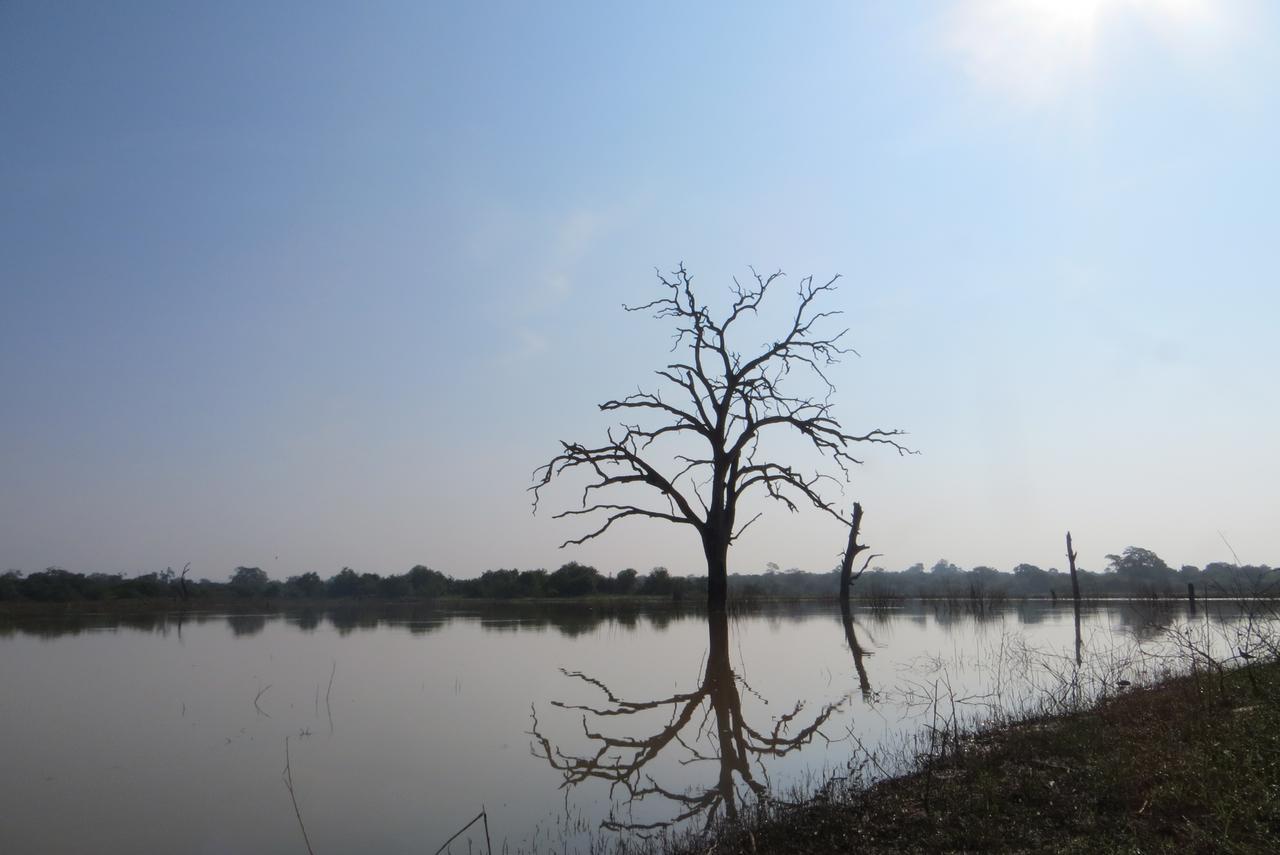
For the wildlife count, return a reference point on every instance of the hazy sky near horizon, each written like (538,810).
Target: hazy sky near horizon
(305,286)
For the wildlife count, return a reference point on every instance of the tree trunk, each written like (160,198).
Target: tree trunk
(1075,599)
(717,552)
(722,691)
(850,553)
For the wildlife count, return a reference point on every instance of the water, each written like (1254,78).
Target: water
(568,725)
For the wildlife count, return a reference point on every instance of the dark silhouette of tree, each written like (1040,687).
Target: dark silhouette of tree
(9,585)
(573,580)
(305,585)
(427,582)
(249,581)
(706,724)
(1143,571)
(626,582)
(344,583)
(726,403)
(855,647)
(182,581)
(851,552)
(658,583)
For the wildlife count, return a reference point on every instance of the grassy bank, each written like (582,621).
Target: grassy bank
(1192,765)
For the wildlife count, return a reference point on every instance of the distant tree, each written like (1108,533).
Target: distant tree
(307,585)
(249,581)
(53,584)
(394,587)
(1135,559)
(346,583)
(499,584)
(1140,570)
(9,587)
(533,583)
(183,590)
(658,583)
(370,585)
(1030,580)
(626,581)
(426,582)
(945,569)
(573,580)
(728,404)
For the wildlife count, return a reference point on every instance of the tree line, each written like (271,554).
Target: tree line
(570,580)
(1135,572)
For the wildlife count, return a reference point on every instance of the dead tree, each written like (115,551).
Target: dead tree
(724,403)
(1075,599)
(851,552)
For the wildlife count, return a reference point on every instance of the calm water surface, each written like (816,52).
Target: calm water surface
(166,733)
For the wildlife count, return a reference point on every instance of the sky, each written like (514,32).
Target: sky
(313,285)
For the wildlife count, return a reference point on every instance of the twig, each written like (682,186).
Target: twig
(288,782)
(1233,552)
(327,708)
(480,816)
(260,710)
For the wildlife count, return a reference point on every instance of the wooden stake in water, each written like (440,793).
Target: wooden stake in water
(1075,598)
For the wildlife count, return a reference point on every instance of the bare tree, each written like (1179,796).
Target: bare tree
(851,552)
(725,402)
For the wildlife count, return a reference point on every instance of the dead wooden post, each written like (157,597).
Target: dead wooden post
(1191,595)
(850,553)
(1075,598)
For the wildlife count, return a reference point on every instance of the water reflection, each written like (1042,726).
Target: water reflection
(246,625)
(859,655)
(1144,619)
(142,728)
(705,726)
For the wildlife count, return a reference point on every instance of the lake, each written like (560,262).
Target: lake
(570,725)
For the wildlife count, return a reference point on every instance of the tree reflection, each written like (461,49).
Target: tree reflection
(859,655)
(706,725)
(243,626)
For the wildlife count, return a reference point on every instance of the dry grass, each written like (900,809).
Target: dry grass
(1192,765)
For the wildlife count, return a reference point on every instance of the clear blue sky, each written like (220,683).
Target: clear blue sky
(306,285)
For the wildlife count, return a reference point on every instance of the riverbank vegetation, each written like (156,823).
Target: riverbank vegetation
(1191,764)
(1136,572)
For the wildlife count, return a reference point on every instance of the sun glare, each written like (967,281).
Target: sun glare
(1035,49)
